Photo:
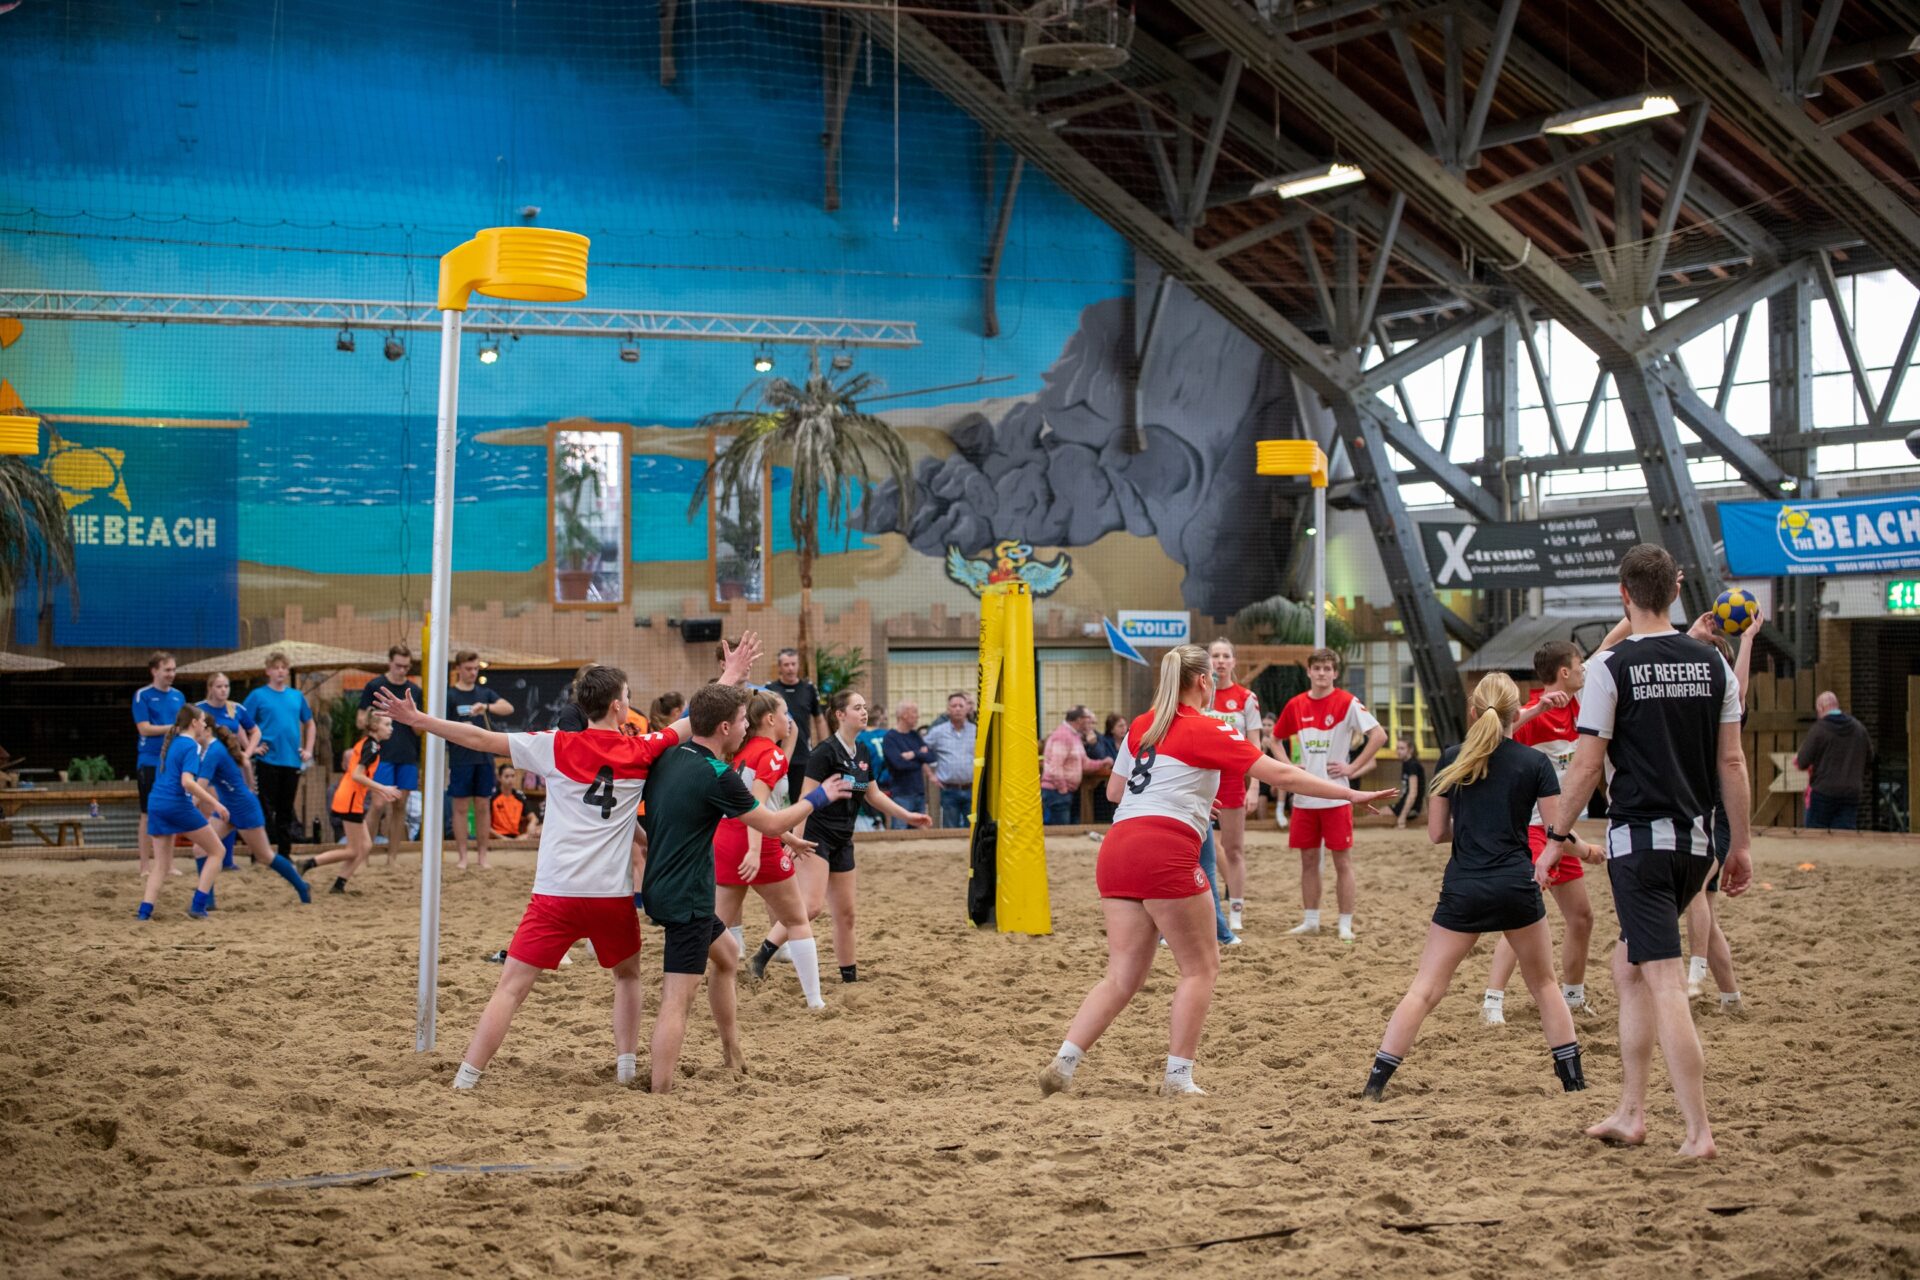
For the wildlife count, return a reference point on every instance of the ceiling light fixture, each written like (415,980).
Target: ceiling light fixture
(489,352)
(842,361)
(1616,114)
(629,353)
(1308,181)
(762,362)
(393,349)
(345,341)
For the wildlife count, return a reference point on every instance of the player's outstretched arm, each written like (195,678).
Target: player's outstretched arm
(1301,783)
(471,736)
(782,822)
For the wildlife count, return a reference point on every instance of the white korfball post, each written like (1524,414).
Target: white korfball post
(1304,458)
(523,264)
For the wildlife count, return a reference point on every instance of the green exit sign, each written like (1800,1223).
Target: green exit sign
(1903,595)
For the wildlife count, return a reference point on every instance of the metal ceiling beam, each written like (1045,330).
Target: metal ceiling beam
(1742,453)
(1696,451)
(1398,365)
(1392,157)
(1670,335)
(1743,94)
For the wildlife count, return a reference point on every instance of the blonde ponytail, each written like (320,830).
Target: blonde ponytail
(1184,665)
(1495,703)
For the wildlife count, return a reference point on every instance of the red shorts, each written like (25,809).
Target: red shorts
(1312,828)
(776,863)
(1565,871)
(552,925)
(1233,791)
(1150,857)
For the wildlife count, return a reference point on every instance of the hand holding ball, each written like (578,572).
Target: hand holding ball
(1735,611)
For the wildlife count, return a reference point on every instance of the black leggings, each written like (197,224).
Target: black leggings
(278,785)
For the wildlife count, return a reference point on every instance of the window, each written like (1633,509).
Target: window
(1380,674)
(737,538)
(588,533)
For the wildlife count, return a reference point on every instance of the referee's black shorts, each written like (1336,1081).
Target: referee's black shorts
(1655,869)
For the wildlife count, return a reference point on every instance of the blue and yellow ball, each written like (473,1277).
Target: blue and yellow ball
(1735,611)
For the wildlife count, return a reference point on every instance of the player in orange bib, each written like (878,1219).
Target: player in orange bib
(1164,781)
(744,858)
(1324,721)
(350,798)
(1236,704)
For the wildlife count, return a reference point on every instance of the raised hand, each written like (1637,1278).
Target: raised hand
(399,710)
(736,663)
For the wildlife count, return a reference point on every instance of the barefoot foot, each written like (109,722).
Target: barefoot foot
(1619,1131)
(1701,1148)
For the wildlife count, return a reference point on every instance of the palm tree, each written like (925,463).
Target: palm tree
(36,542)
(1278,620)
(818,429)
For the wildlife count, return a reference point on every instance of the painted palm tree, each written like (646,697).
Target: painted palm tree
(36,542)
(818,429)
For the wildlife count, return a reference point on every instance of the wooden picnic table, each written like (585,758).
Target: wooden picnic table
(65,826)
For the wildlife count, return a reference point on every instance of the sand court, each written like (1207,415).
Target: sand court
(152,1079)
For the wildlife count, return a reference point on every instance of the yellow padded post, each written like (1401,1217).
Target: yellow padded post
(1021,901)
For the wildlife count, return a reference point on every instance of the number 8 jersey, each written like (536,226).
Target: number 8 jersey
(1178,776)
(594,780)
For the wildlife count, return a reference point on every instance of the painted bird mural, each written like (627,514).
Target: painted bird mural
(1010,560)
(81,470)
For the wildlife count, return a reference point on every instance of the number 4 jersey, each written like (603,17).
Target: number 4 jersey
(1178,776)
(594,780)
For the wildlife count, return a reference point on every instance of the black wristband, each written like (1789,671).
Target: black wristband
(1566,838)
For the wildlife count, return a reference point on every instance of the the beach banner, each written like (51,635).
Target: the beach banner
(1838,536)
(155,535)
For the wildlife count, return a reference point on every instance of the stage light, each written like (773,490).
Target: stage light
(1616,114)
(1313,531)
(489,352)
(345,341)
(763,363)
(842,361)
(1788,484)
(629,354)
(392,349)
(1308,181)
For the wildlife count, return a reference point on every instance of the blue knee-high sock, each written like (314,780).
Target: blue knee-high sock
(284,868)
(226,860)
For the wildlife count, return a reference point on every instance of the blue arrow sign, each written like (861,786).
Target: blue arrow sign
(1120,645)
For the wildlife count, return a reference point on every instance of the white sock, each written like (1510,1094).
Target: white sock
(739,932)
(1575,992)
(1696,968)
(1310,916)
(1494,998)
(625,1067)
(1346,924)
(467,1076)
(1179,1071)
(1236,904)
(1068,1058)
(1729,997)
(805,954)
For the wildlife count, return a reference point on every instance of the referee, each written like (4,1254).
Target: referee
(1661,712)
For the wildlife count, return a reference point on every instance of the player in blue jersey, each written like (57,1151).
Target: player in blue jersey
(222,765)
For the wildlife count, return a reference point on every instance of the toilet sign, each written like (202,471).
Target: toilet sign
(1156,628)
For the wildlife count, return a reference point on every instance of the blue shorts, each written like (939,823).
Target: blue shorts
(244,813)
(401,777)
(471,780)
(175,819)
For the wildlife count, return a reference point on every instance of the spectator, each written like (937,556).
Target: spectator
(803,704)
(399,765)
(154,710)
(951,742)
(470,772)
(512,815)
(907,758)
(1835,755)
(869,743)
(286,746)
(1413,782)
(1063,766)
(1106,746)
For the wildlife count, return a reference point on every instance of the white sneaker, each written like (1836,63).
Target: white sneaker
(1493,1015)
(1185,1088)
(1302,929)
(1233,920)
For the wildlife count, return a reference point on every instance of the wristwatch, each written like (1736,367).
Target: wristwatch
(1563,837)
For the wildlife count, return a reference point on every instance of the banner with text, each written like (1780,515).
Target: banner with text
(1531,553)
(155,532)
(1156,628)
(1838,536)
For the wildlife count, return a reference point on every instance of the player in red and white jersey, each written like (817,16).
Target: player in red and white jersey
(1323,722)
(744,858)
(1236,704)
(1547,724)
(1164,781)
(583,875)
